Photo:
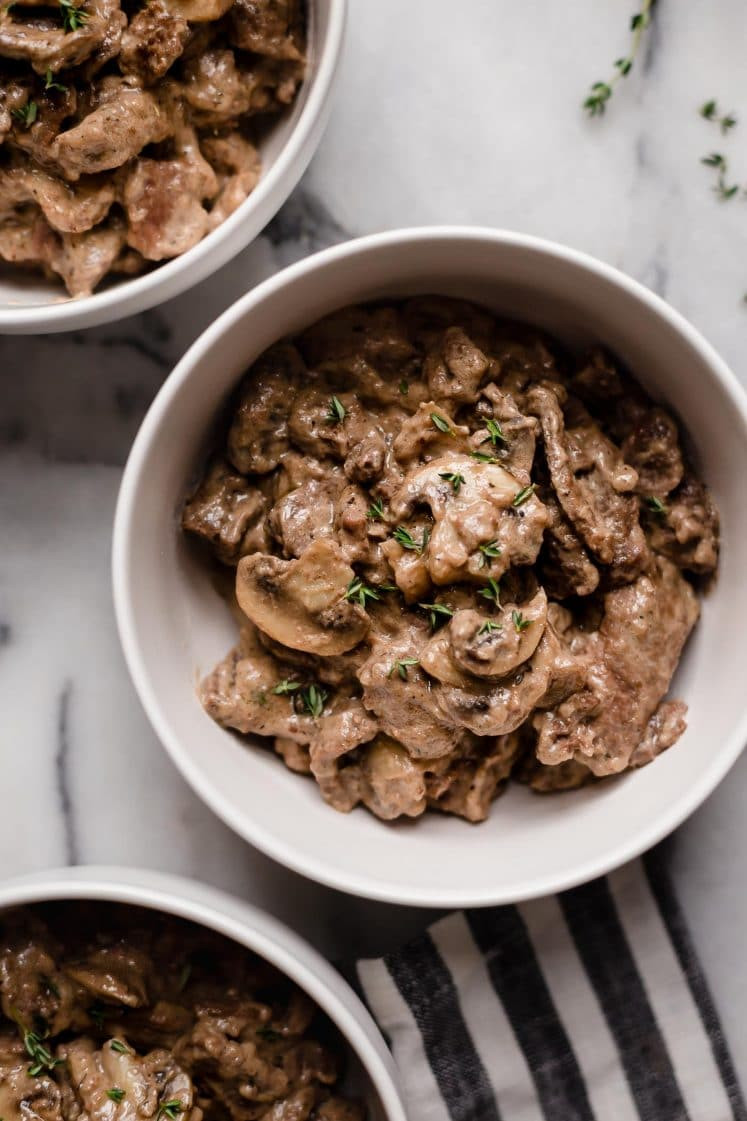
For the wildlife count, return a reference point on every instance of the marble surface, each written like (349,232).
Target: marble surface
(445,113)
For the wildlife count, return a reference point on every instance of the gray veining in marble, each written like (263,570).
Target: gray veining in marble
(445,113)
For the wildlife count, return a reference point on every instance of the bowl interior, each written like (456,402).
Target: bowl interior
(175,627)
(244,924)
(19,289)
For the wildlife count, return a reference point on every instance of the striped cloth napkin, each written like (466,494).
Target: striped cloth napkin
(586,1006)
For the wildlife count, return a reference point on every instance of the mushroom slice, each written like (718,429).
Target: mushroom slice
(496,708)
(301,603)
(393,783)
(474,645)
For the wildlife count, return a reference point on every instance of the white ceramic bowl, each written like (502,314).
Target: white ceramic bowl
(370,1074)
(174,627)
(31,305)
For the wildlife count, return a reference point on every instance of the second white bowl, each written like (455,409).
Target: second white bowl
(31,305)
(174,627)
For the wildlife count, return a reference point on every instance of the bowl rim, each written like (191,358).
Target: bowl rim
(199,778)
(175,276)
(242,922)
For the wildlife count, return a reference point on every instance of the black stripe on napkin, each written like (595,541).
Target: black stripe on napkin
(674,920)
(600,940)
(517,978)
(426,984)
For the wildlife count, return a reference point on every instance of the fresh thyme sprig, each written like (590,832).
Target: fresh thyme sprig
(73,17)
(401,666)
(452,477)
(50,85)
(492,591)
(489,550)
(119,1047)
(170,1109)
(438,612)
(404,538)
(489,626)
(314,699)
(495,433)
(375,511)
(115,1094)
(722,188)
(361,592)
(286,686)
(483,457)
(600,92)
(337,411)
(710,111)
(26,114)
(522,496)
(441,424)
(41,1057)
(520,623)
(656,506)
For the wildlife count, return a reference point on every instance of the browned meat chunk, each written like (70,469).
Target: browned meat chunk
(653,449)
(111,134)
(633,656)
(474,778)
(663,729)
(269,27)
(153,41)
(68,208)
(228,514)
(237,166)
(455,367)
(685,528)
(259,431)
(163,201)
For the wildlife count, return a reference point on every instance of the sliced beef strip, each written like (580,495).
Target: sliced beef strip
(593,485)
(565,564)
(632,658)
(163,200)
(398,693)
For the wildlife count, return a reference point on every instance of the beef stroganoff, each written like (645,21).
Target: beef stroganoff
(461,555)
